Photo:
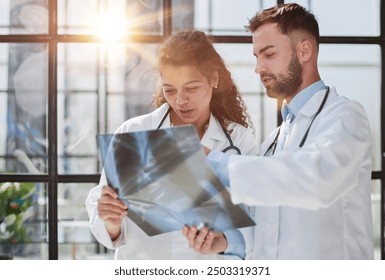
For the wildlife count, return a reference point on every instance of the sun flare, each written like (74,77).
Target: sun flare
(112,28)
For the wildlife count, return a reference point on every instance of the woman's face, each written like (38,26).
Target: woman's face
(188,92)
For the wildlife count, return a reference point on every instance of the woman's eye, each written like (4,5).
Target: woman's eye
(168,91)
(191,89)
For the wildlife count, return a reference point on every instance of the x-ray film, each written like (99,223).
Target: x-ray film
(164,178)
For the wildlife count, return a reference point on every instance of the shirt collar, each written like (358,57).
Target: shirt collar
(300,99)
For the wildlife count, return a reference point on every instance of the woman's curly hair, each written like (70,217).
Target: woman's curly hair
(193,48)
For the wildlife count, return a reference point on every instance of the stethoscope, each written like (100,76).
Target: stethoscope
(228,148)
(273,145)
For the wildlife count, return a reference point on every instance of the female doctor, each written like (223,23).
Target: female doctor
(196,88)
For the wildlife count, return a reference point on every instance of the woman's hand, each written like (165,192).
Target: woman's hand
(206,150)
(112,211)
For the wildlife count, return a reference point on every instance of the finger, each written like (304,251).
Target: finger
(110,208)
(185,231)
(208,242)
(206,150)
(200,238)
(115,222)
(115,206)
(111,215)
(107,190)
(191,235)
(111,202)
(108,200)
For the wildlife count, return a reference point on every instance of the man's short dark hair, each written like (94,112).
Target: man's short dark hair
(289,17)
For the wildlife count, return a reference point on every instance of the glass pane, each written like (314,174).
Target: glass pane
(225,17)
(376,213)
(77,107)
(182,14)
(110,19)
(99,87)
(262,109)
(23,114)
(77,130)
(74,236)
(346,17)
(23,17)
(355,71)
(23,221)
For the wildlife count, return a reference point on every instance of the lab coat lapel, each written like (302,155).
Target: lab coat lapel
(311,107)
(214,136)
(157,116)
(304,118)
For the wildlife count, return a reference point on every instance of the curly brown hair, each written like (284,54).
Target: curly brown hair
(193,48)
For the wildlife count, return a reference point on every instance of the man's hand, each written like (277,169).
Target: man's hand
(204,240)
(112,211)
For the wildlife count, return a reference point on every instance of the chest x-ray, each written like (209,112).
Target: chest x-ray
(164,178)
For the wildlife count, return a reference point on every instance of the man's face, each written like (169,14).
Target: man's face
(277,62)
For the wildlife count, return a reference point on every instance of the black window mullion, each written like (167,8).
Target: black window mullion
(52,134)
(382,205)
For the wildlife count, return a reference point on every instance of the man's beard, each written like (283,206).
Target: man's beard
(287,85)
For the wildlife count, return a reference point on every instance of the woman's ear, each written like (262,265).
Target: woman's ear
(215,79)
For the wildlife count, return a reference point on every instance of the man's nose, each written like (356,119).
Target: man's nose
(259,67)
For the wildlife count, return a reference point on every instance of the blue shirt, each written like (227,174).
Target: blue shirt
(300,99)
(235,243)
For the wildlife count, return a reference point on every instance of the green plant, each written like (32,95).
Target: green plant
(15,199)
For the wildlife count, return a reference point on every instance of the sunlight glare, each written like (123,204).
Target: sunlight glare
(112,28)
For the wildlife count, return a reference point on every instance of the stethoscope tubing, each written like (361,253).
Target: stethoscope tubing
(273,145)
(230,147)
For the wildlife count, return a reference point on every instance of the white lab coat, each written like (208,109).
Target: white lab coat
(312,202)
(133,243)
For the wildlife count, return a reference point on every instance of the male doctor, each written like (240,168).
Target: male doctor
(311,189)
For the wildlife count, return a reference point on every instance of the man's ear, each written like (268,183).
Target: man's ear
(305,50)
